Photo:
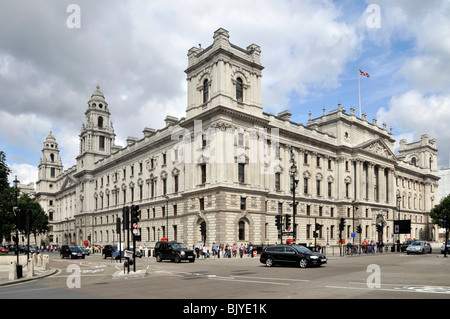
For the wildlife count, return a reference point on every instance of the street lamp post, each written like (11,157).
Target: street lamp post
(293,173)
(399,199)
(167,217)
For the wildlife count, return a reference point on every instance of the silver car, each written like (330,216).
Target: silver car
(419,247)
(448,247)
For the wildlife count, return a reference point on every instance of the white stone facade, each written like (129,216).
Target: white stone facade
(227,163)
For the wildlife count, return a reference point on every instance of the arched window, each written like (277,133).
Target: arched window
(239,90)
(52,157)
(241,230)
(205,90)
(100,121)
(413,161)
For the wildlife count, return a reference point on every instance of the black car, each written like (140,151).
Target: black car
(173,251)
(110,251)
(291,255)
(71,251)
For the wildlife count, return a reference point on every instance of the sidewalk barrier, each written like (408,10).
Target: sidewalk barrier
(12,271)
(30,268)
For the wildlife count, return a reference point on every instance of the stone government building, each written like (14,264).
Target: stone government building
(228,164)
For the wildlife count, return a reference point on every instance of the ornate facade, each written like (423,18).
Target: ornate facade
(229,164)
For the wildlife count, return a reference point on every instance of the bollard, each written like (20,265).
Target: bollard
(12,271)
(30,268)
(46,262)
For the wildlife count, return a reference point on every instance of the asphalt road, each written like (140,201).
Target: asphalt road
(381,276)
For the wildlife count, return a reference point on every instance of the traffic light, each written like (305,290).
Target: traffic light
(318,226)
(342,224)
(288,221)
(359,229)
(135,214)
(278,222)
(126,217)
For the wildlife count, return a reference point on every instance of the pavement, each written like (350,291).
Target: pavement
(39,272)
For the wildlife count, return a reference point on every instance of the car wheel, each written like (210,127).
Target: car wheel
(177,259)
(430,251)
(62,256)
(158,258)
(303,263)
(104,256)
(269,262)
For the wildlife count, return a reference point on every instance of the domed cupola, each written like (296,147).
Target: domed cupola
(98,100)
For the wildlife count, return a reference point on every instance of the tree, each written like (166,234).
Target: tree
(440,214)
(7,200)
(38,218)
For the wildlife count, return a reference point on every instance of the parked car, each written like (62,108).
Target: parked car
(419,247)
(173,251)
(4,250)
(291,255)
(71,251)
(444,246)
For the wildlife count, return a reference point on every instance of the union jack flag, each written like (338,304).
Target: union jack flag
(364,73)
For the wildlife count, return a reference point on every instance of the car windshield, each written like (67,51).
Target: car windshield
(178,246)
(75,248)
(417,243)
(301,249)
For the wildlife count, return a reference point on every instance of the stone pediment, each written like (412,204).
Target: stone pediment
(377,147)
(68,182)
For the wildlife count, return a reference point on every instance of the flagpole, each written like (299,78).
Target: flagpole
(359,92)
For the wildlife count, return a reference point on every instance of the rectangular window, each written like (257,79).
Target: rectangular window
(202,204)
(277,181)
(101,142)
(243,203)
(175,180)
(203,172)
(241,172)
(241,139)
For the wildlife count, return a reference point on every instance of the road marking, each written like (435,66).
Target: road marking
(414,288)
(250,281)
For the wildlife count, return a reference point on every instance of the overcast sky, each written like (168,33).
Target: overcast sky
(52,59)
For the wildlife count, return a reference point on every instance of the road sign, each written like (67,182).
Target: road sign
(288,233)
(402,226)
(135,225)
(128,253)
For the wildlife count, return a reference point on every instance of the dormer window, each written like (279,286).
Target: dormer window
(239,90)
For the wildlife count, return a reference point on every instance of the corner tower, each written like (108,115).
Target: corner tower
(97,133)
(224,74)
(50,165)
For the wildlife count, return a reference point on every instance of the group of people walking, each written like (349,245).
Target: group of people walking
(367,247)
(224,250)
